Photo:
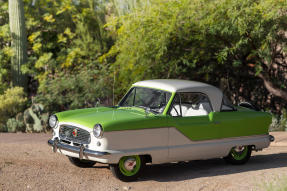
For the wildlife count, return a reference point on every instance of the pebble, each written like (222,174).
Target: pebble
(127,187)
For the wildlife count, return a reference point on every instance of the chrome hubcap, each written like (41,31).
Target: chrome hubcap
(130,164)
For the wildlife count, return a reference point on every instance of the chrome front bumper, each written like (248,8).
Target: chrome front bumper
(81,150)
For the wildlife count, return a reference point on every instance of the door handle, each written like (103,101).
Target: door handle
(216,122)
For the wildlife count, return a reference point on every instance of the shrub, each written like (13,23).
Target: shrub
(279,123)
(12,102)
(74,90)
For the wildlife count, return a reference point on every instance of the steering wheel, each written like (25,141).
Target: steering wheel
(195,106)
(143,101)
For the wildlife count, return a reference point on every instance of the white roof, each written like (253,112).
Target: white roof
(215,95)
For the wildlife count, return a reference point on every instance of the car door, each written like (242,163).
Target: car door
(190,125)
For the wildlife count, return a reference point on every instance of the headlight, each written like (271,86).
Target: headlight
(98,131)
(53,121)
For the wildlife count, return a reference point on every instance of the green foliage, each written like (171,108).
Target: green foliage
(68,91)
(279,122)
(77,48)
(20,120)
(5,50)
(196,39)
(66,39)
(11,102)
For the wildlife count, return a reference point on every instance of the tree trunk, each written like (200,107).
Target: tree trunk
(19,42)
(272,89)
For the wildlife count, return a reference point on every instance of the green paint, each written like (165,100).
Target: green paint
(242,123)
(239,155)
(113,119)
(219,125)
(136,168)
(168,104)
(216,125)
(195,128)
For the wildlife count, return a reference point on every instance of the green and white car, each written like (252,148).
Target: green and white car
(160,121)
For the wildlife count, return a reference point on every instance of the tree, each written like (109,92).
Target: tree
(233,44)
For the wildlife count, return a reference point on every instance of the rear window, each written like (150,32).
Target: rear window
(227,105)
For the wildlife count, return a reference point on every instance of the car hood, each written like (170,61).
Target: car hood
(111,118)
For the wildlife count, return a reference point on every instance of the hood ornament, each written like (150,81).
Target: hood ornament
(75,132)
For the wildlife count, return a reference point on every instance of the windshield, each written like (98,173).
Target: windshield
(148,98)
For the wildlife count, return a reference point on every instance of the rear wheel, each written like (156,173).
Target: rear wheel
(239,155)
(81,162)
(129,168)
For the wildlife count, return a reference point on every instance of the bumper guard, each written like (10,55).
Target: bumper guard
(81,150)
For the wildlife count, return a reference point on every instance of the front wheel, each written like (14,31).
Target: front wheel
(81,163)
(239,155)
(129,168)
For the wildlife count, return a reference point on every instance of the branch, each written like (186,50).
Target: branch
(272,89)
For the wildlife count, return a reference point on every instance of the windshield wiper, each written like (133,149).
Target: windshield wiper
(147,109)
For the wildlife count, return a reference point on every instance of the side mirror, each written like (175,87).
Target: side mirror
(98,102)
(210,116)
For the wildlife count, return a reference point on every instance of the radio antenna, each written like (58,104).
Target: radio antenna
(114,88)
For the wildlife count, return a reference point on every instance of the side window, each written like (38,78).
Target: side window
(130,99)
(191,104)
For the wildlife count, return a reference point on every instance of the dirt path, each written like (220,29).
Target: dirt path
(27,163)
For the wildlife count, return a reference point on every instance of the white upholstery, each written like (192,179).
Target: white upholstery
(196,112)
(184,108)
(173,112)
(203,109)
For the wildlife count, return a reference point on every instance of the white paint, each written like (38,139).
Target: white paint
(181,148)
(163,145)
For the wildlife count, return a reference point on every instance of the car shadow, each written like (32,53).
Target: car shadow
(209,168)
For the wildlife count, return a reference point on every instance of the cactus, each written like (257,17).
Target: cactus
(11,125)
(34,118)
(19,41)
(15,124)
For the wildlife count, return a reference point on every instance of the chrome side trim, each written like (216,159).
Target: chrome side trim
(82,151)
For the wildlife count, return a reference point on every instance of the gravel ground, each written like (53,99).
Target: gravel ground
(28,163)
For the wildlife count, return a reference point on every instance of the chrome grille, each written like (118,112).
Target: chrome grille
(74,134)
